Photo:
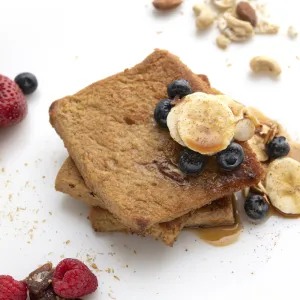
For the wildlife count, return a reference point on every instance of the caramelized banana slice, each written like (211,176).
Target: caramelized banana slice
(206,124)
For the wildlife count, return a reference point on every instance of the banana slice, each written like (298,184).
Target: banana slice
(237,108)
(172,122)
(258,146)
(244,130)
(206,124)
(283,185)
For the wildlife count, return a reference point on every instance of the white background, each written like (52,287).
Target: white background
(68,45)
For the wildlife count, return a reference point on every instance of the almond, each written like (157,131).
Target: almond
(166,4)
(246,12)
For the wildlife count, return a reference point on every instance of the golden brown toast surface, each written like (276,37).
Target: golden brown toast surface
(69,181)
(126,159)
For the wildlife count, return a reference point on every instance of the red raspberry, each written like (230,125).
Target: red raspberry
(73,279)
(11,289)
(13,104)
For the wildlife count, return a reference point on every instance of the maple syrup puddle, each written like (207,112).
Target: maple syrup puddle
(221,236)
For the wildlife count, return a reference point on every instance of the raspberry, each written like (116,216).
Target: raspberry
(11,289)
(72,279)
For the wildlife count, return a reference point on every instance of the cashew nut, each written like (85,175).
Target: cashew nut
(223,41)
(264,27)
(223,4)
(235,29)
(205,16)
(265,64)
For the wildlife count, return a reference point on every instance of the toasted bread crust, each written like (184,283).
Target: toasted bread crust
(109,131)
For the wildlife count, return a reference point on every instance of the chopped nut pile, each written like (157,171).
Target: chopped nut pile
(237,21)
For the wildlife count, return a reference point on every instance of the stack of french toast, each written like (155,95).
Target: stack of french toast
(128,163)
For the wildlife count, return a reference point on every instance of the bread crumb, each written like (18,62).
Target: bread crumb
(50,213)
(3,170)
(25,164)
(94,266)
(134,251)
(68,242)
(116,277)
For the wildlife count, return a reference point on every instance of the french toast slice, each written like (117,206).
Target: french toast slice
(69,181)
(127,160)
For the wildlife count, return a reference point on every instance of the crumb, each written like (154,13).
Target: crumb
(44,177)
(94,266)
(44,221)
(50,213)
(10,217)
(252,273)
(229,65)
(3,170)
(62,256)
(134,251)
(116,277)
(9,197)
(25,164)
(158,32)
(50,253)
(68,242)
(126,266)
(186,250)
(108,270)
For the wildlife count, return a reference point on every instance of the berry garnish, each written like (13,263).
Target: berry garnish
(13,104)
(161,112)
(179,88)
(27,83)
(11,289)
(230,158)
(190,162)
(256,207)
(72,279)
(278,147)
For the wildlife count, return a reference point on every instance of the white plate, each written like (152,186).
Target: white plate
(69,44)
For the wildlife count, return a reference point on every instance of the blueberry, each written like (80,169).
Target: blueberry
(256,207)
(278,147)
(190,162)
(27,82)
(230,158)
(179,88)
(161,112)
